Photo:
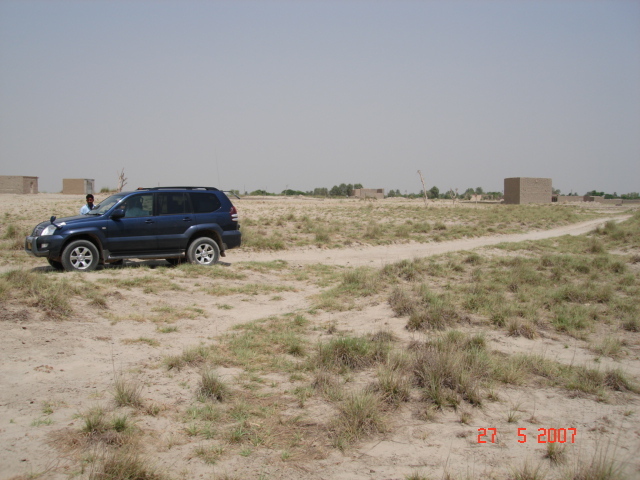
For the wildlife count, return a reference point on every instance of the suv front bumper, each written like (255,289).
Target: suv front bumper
(44,246)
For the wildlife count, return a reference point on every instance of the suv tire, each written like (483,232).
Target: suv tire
(203,251)
(80,256)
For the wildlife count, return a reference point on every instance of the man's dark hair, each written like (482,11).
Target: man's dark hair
(89,196)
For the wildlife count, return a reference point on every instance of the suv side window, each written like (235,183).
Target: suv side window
(138,205)
(173,203)
(204,202)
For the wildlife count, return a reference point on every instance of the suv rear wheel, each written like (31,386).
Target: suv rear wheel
(80,255)
(203,251)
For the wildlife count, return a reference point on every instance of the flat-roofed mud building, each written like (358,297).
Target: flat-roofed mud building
(18,184)
(522,190)
(365,193)
(78,186)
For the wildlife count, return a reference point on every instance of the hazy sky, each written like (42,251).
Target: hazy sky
(302,94)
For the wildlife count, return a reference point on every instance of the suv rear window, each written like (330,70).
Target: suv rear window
(204,202)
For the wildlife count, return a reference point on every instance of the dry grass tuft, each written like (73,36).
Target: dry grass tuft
(127,393)
(123,465)
(360,416)
(212,387)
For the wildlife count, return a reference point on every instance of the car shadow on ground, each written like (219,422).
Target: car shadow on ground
(152,264)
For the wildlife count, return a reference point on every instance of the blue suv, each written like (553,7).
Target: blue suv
(196,224)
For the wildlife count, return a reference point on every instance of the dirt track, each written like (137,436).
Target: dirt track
(380,255)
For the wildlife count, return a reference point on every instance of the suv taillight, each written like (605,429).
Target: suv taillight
(234,214)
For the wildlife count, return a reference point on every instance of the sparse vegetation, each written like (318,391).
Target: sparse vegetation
(337,369)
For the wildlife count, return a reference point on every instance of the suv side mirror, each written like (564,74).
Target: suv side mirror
(117,213)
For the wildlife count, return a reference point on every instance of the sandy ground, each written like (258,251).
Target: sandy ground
(53,370)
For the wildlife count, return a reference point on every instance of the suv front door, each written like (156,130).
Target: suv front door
(136,231)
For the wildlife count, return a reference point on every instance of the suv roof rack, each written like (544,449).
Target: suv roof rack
(177,187)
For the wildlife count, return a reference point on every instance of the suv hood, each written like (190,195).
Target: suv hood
(72,220)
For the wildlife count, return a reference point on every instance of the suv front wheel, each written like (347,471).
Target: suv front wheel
(203,251)
(80,255)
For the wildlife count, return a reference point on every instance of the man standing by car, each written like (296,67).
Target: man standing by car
(89,206)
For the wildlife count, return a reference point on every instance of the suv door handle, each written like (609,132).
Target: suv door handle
(186,219)
(149,221)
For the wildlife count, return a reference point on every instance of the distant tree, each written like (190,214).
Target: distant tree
(479,191)
(433,192)
(555,191)
(122,180)
(595,193)
(630,196)
(349,190)
(391,194)
(358,185)
(292,192)
(321,191)
(468,193)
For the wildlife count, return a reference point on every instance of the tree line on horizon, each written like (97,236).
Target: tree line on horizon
(347,190)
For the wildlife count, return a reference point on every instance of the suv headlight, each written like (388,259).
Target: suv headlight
(49,230)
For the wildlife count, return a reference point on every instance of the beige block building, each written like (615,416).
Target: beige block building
(523,190)
(79,186)
(369,193)
(18,184)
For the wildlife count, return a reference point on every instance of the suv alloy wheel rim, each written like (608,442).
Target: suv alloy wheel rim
(81,258)
(204,254)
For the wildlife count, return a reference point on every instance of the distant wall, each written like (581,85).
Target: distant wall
(591,198)
(613,201)
(568,198)
(369,193)
(524,190)
(18,184)
(79,186)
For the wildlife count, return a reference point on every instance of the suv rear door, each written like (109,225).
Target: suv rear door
(174,218)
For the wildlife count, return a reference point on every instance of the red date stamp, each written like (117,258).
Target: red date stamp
(544,435)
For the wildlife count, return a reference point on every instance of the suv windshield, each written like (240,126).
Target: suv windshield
(106,204)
